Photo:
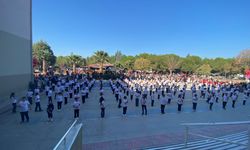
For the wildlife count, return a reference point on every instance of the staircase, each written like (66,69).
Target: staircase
(241,137)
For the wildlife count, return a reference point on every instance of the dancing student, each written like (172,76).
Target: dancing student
(102,106)
(76,106)
(124,105)
(14,101)
(195,101)
(50,109)
(163,102)
(144,105)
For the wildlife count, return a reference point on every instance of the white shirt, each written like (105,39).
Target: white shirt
(76,105)
(124,102)
(195,99)
(163,101)
(49,93)
(59,98)
(37,98)
(29,93)
(24,106)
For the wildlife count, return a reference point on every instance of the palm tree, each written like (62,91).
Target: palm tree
(101,57)
(74,60)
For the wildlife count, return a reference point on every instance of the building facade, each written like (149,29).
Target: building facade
(15,45)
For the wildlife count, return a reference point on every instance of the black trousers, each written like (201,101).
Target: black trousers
(25,115)
(233,104)
(169,100)
(124,110)
(116,97)
(211,106)
(59,105)
(162,109)
(65,100)
(50,99)
(152,103)
(83,99)
(179,107)
(50,115)
(70,95)
(131,97)
(224,105)
(13,107)
(76,113)
(194,106)
(119,103)
(144,109)
(244,102)
(102,112)
(136,102)
(38,106)
(30,100)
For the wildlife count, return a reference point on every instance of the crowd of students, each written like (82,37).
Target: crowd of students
(140,89)
(147,88)
(57,89)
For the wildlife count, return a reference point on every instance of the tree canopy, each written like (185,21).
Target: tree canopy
(43,56)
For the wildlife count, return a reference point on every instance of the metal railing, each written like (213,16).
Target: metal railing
(72,139)
(187,132)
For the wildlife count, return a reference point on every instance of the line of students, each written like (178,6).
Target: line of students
(63,90)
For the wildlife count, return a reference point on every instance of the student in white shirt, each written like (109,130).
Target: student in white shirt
(163,102)
(24,109)
(50,95)
(29,95)
(144,105)
(59,99)
(153,97)
(169,97)
(225,99)
(76,106)
(180,102)
(102,106)
(195,100)
(211,102)
(234,99)
(137,97)
(46,90)
(83,93)
(37,101)
(66,96)
(124,105)
(14,101)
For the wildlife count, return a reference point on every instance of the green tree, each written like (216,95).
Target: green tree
(142,64)
(127,62)
(204,69)
(62,61)
(44,54)
(191,63)
(75,60)
(101,57)
(172,62)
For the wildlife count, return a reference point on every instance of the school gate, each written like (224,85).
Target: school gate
(15,46)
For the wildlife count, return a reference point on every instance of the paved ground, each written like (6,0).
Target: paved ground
(116,131)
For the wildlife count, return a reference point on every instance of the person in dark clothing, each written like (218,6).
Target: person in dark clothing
(102,106)
(50,109)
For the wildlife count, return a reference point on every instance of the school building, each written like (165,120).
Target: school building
(15,46)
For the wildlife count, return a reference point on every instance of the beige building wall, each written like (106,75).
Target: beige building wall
(15,46)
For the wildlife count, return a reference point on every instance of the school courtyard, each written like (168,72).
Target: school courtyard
(115,131)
